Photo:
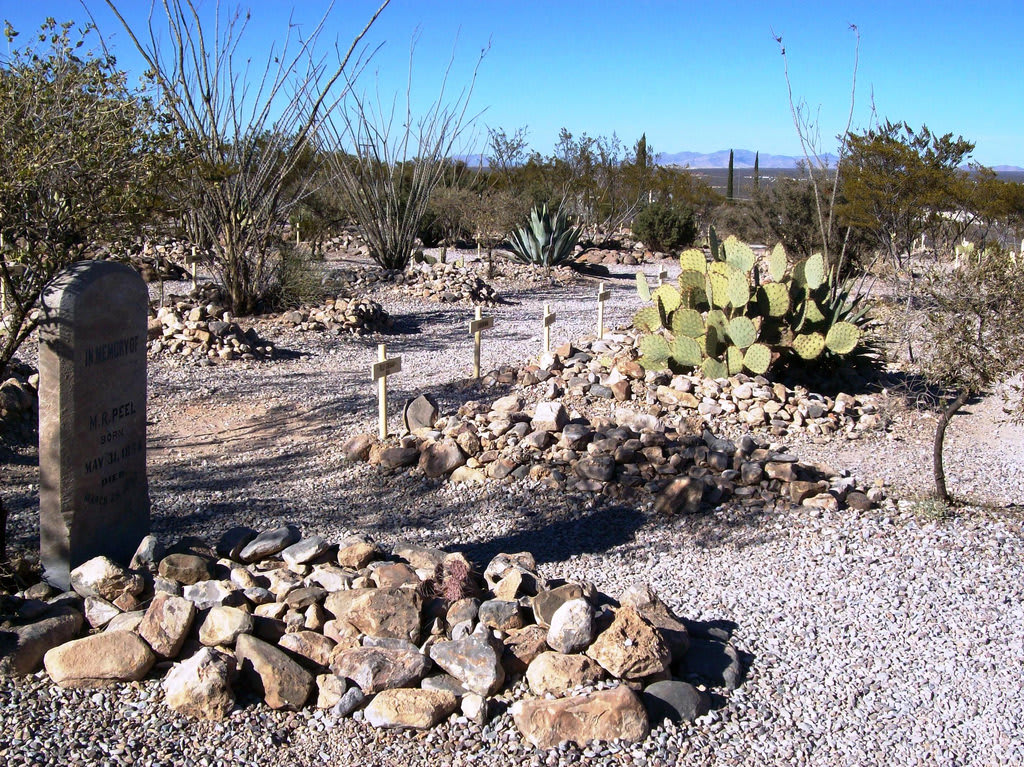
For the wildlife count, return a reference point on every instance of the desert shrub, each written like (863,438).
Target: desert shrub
(547,241)
(663,226)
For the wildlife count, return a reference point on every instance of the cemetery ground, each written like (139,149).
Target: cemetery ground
(893,634)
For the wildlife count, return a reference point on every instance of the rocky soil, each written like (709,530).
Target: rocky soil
(892,634)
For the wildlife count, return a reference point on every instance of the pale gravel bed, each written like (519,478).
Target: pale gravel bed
(883,637)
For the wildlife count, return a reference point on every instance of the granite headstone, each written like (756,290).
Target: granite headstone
(93,493)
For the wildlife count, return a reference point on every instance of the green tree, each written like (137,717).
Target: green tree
(757,174)
(79,158)
(729,181)
(898,181)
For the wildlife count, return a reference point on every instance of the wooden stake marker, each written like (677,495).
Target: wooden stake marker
(602,296)
(549,320)
(380,371)
(192,261)
(663,276)
(477,327)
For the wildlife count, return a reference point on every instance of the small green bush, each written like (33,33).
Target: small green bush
(665,227)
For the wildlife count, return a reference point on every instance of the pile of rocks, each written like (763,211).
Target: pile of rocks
(406,639)
(687,468)
(446,283)
(608,370)
(19,401)
(203,332)
(339,315)
(162,260)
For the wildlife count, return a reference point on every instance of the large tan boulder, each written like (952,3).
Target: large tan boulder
(603,715)
(392,613)
(556,672)
(223,625)
(410,707)
(631,648)
(201,685)
(166,624)
(104,578)
(281,681)
(99,660)
(380,668)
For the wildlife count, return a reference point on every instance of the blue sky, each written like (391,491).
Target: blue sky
(693,76)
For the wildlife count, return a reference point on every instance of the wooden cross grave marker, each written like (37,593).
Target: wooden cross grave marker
(549,320)
(477,327)
(192,261)
(602,296)
(380,371)
(663,276)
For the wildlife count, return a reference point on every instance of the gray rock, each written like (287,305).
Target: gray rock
(475,661)
(305,550)
(682,495)
(674,700)
(233,541)
(380,668)
(99,612)
(207,594)
(148,555)
(715,663)
(547,602)
(599,467)
(186,569)
(349,702)
(420,413)
(500,614)
(572,627)
(22,648)
(268,543)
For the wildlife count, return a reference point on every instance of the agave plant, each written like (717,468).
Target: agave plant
(548,240)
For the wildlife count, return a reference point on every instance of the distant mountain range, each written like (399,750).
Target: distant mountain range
(742,158)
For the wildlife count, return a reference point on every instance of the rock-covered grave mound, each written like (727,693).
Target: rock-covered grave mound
(628,431)
(408,637)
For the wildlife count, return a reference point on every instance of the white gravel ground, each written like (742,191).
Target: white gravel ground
(894,636)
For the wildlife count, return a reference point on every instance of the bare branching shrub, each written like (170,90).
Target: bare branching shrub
(388,161)
(242,128)
(976,328)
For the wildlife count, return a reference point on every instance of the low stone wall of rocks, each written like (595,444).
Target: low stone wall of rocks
(408,636)
(340,315)
(204,333)
(19,401)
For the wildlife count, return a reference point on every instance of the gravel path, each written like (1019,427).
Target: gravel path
(883,637)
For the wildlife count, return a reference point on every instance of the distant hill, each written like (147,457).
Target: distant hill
(742,158)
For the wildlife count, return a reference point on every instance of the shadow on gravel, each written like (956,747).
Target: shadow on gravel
(560,540)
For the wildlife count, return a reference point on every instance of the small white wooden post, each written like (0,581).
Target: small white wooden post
(298,229)
(380,371)
(192,262)
(549,320)
(477,327)
(663,276)
(602,296)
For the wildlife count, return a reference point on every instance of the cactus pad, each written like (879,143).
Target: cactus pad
(642,288)
(842,338)
(713,368)
(777,263)
(814,271)
(738,254)
(773,300)
(715,244)
(757,359)
(693,260)
(647,319)
(809,345)
(739,289)
(742,332)
(719,292)
(687,322)
(734,360)
(692,279)
(686,352)
(812,312)
(655,351)
(667,298)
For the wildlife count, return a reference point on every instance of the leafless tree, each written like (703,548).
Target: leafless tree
(242,128)
(388,161)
